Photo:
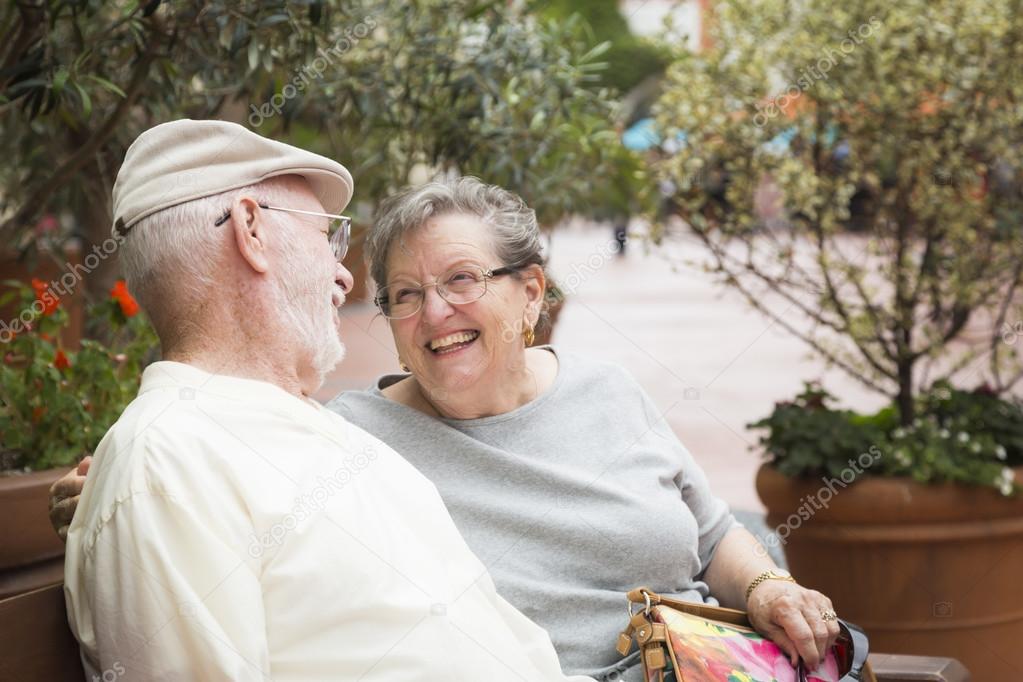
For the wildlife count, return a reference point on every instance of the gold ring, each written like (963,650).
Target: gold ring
(828,615)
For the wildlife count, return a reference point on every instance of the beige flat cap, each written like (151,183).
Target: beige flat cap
(184,160)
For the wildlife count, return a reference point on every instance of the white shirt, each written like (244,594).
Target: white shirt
(231,531)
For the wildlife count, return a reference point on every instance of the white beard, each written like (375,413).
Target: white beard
(309,313)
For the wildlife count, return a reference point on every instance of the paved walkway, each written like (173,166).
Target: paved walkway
(710,364)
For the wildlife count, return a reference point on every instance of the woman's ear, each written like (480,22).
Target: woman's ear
(536,287)
(250,233)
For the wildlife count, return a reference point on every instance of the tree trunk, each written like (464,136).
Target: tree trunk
(907,410)
(95,225)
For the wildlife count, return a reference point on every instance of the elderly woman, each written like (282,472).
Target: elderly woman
(559,471)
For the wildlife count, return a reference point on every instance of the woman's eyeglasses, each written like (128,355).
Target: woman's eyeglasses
(458,286)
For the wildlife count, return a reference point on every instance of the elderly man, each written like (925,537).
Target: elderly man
(231,527)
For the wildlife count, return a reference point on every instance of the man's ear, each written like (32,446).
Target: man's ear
(536,286)
(250,233)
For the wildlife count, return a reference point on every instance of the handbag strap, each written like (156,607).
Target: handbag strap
(648,598)
(652,637)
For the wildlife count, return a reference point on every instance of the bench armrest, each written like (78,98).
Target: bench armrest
(904,668)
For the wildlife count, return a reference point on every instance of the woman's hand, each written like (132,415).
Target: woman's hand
(64,497)
(793,618)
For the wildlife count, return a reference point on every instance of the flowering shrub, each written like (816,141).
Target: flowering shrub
(55,403)
(963,436)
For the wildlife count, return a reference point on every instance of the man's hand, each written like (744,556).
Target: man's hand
(793,618)
(64,497)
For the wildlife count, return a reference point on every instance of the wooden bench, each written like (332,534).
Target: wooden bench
(36,644)
(900,668)
(35,640)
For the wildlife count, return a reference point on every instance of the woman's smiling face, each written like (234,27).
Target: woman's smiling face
(452,348)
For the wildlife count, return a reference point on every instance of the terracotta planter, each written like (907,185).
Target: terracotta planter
(31,554)
(924,569)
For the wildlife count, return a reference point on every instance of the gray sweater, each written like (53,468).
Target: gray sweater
(570,500)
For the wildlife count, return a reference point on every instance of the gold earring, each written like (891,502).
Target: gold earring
(404,367)
(528,335)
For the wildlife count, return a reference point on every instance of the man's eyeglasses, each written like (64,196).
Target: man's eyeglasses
(339,231)
(458,286)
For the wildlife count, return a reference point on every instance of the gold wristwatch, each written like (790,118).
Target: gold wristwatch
(778,574)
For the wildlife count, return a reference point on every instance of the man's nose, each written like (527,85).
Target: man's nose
(343,278)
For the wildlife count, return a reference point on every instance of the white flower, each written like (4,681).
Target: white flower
(899,433)
(944,433)
(975,446)
(1000,452)
(902,458)
(964,437)
(1005,481)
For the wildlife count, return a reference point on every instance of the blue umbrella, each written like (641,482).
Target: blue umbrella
(641,136)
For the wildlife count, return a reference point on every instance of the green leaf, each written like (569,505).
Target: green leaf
(596,51)
(106,85)
(253,54)
(86,101)
(59,78)
(274,19)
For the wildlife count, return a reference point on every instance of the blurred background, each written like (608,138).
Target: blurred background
(798,224)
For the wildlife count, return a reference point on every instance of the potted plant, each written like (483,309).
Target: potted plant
(895,253)
(916,531)
(55,405)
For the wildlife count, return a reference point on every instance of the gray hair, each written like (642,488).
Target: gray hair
(512,223)
(178,249)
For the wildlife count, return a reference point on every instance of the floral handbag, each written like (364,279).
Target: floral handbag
(685,642)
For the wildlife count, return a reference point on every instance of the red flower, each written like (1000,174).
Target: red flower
(48,224)
(129,306)
(60,360)
(37,413)
(49,300)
